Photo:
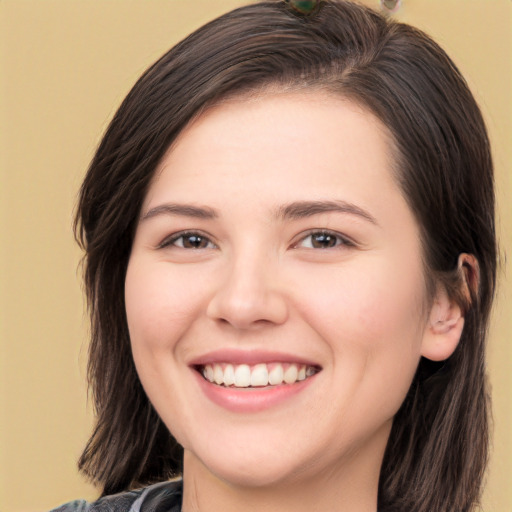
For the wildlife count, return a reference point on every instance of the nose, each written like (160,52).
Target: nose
(249,295)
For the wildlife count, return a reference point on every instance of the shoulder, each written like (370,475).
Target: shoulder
(161,497)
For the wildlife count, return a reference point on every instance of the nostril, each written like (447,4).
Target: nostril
(244,309)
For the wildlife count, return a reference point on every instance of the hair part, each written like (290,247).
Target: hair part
(437,449)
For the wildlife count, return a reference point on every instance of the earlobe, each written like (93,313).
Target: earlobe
(446,320)
(444,328)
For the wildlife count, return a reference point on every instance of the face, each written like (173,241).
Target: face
(275,292)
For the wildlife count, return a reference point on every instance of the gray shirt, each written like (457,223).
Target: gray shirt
(161,497)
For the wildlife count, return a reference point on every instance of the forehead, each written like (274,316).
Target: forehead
(293,140)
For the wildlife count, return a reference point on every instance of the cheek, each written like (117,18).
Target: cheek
(372,318)
(159,304)
(374,302)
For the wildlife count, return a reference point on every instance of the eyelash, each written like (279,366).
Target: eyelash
(171,241)
(339,240)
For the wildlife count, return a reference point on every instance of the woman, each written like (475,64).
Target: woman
(290,263)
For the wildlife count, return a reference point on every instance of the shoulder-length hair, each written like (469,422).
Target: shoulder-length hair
(437,450)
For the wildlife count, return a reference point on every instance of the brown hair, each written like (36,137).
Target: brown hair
(437,451)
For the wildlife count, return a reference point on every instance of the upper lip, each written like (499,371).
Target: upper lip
(250,357)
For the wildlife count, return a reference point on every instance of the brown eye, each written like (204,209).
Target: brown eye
(194,242)
(189,241)
(322,240)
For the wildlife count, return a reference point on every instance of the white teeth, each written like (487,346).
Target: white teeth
(229,375)
(290,375)
(259,375)
(242,376)
(218,374)
(276,375)
(209,373)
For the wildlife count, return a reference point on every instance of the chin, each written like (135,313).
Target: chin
(248,470)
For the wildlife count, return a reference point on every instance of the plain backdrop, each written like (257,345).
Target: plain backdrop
(65,65)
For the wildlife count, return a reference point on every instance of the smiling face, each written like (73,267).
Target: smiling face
(275,291)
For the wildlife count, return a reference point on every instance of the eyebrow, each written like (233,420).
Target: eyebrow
(292,211)
(302,209)
(182,210)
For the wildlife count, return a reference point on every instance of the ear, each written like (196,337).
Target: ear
(446,319)
(444,328)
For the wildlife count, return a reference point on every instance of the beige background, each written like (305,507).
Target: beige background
(64,67)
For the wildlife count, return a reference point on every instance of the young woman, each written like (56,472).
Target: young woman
(290,263)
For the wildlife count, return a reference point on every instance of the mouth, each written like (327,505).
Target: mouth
(253,381)
(260,375)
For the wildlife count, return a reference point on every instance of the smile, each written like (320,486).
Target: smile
(258,375)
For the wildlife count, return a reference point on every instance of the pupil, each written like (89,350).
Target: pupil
(194,242)
(323,240)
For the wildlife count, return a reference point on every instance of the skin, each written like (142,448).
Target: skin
(259,282)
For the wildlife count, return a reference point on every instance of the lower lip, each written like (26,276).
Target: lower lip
(250,399)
